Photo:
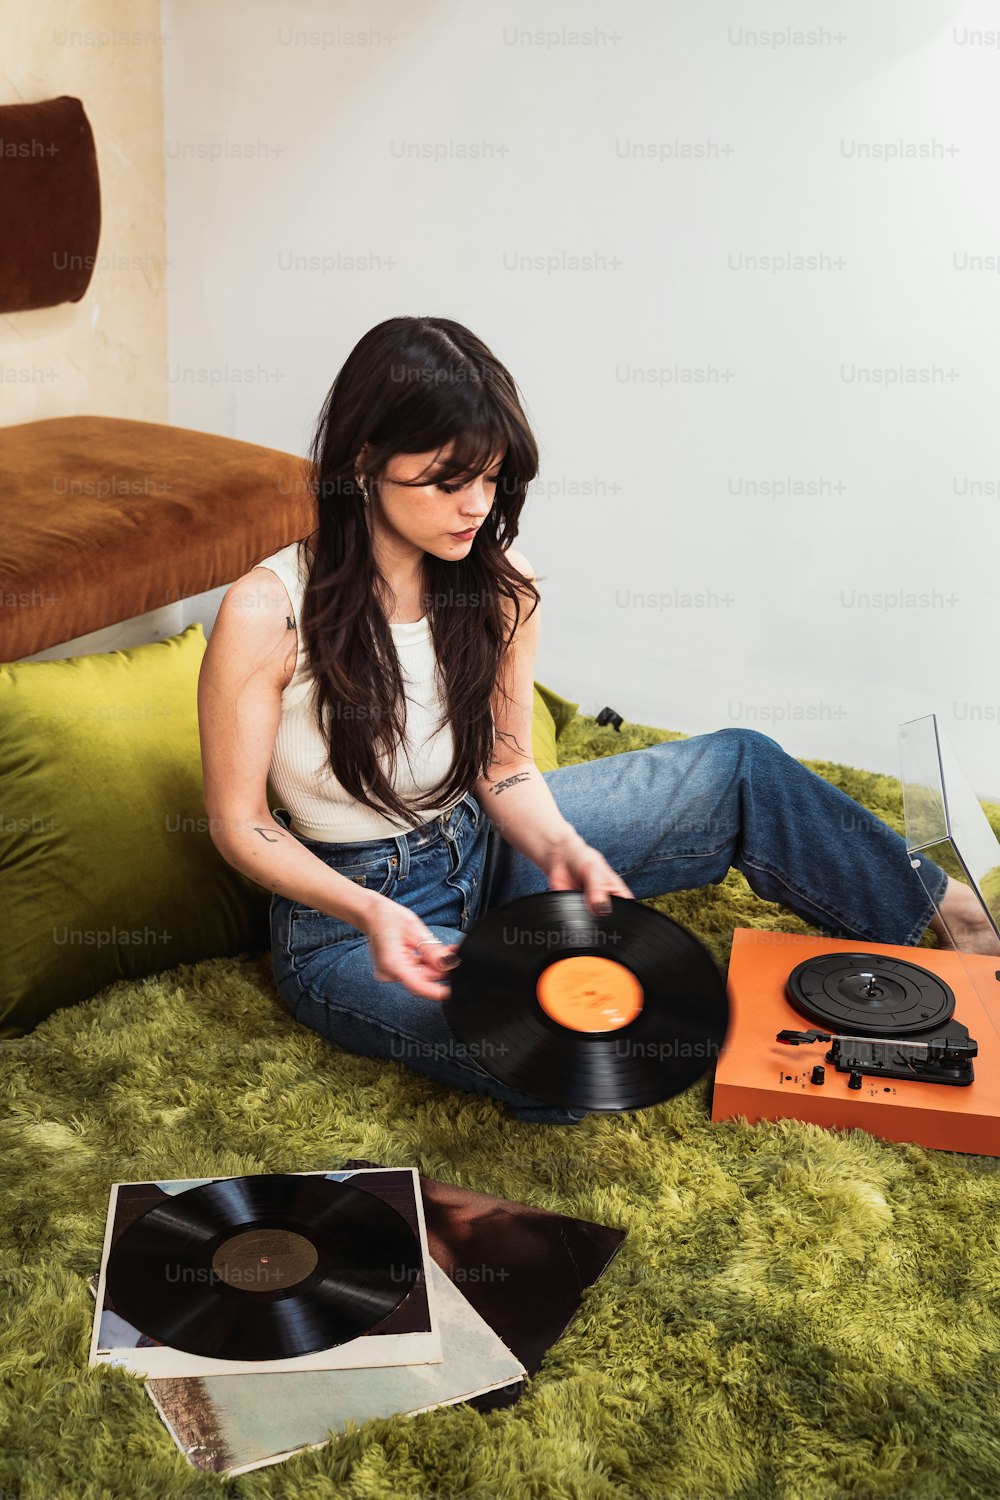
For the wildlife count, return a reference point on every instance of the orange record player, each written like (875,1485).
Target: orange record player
(899,1041)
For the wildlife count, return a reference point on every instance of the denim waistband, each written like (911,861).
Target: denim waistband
(444,826)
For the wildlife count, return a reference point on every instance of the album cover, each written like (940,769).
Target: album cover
(401,1330)
(228,1424)
(524,1269)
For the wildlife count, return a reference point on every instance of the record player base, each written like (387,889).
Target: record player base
(760,1078)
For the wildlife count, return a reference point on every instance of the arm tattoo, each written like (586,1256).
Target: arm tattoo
(289,622)
(502,786)
(269,834)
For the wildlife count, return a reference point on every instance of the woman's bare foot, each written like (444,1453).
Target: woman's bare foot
(968,929)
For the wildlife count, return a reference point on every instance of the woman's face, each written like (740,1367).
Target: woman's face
(428,517)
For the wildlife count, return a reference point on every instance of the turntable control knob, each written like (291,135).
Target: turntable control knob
(818,1074)
(855,1081)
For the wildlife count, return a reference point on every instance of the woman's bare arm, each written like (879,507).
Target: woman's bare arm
(248,660)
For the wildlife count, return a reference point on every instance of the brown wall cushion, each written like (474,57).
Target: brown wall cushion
(50,204)
(103,519)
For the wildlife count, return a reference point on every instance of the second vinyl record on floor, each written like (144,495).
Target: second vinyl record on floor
(263,1267)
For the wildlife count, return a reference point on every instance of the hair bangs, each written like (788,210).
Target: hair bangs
(473,419)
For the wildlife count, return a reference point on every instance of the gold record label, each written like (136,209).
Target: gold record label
(264,1260)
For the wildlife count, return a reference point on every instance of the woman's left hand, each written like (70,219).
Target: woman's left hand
(583,868)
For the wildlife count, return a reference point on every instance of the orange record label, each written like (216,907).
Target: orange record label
(587,993)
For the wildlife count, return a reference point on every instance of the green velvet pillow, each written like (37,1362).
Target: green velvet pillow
(543,734)
(107,867)
(560,711)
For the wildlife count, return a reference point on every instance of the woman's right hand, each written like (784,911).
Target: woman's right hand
(405,950)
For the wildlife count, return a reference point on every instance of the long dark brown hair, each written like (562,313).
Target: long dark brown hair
(413,385)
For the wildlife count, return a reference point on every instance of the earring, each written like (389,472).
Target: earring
(361,485)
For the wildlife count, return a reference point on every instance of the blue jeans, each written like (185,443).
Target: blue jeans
(671,817)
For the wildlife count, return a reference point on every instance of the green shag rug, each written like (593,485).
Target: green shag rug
(795,1312)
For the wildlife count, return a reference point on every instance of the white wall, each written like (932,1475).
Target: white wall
(642,501)
(104,354)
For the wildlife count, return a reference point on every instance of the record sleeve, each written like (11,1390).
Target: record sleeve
(524,1269)
(209,1296)
(229,1424)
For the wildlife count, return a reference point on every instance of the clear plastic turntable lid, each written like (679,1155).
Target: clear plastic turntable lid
(943,815)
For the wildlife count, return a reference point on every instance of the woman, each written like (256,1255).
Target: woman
(375,668)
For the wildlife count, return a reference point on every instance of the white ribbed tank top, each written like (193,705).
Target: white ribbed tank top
(320,808)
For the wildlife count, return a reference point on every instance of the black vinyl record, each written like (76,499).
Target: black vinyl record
(587,1012)
(868,994)
(264,1267)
